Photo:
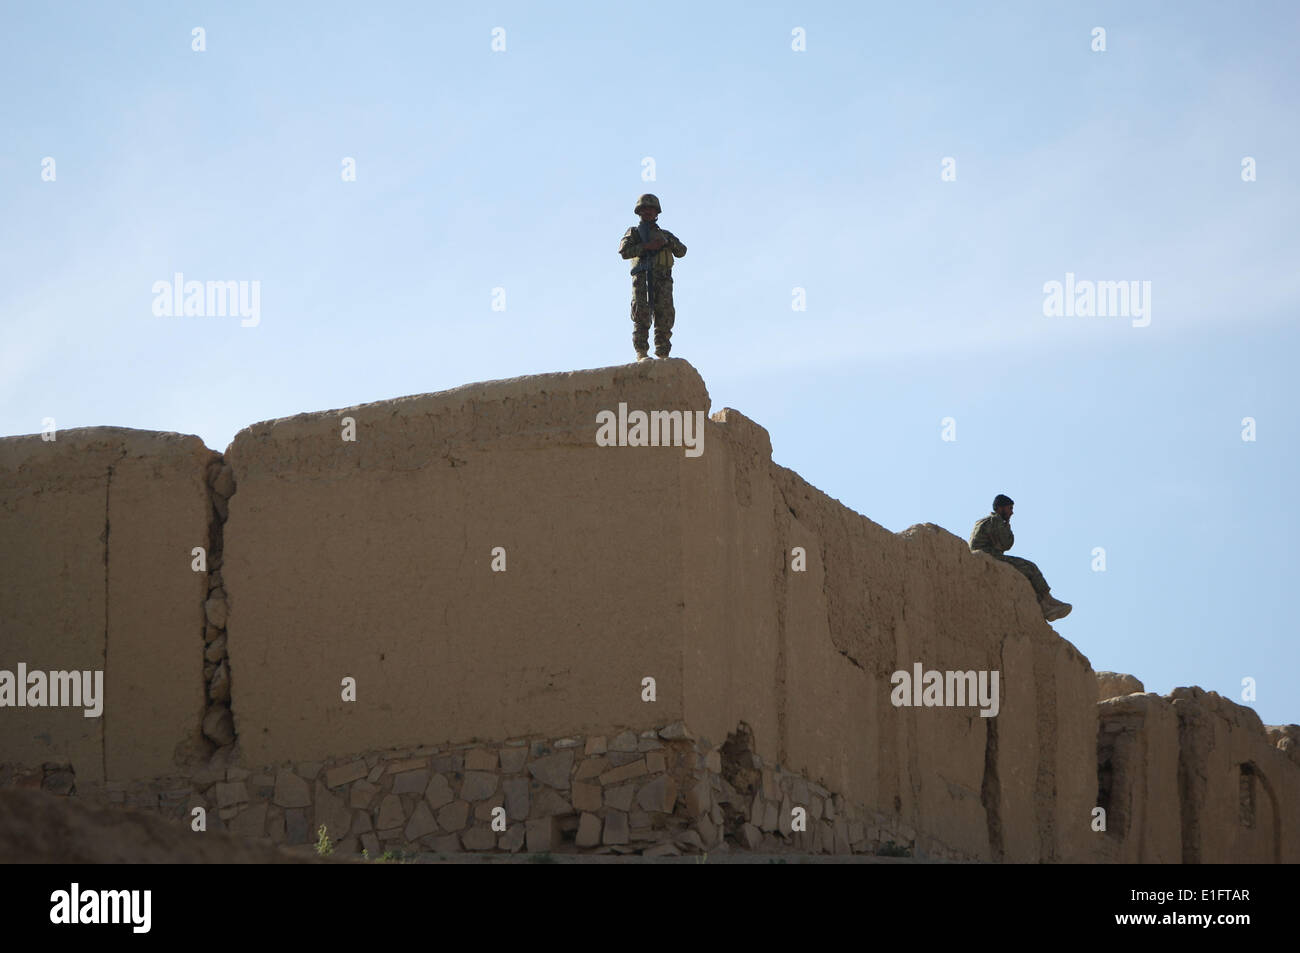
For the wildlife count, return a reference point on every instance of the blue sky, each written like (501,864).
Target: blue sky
(779,169)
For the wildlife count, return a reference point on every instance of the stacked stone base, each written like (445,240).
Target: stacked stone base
(657,793)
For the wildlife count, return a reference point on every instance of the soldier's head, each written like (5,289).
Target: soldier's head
(647,206)
(1003,505)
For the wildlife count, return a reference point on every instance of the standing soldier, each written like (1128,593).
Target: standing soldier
(993,535)
(652,278)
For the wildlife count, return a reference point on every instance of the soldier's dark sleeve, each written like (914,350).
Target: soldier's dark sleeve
(679,250)
(630,246)
(1004,537)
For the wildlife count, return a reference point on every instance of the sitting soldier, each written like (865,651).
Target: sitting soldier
(993,535)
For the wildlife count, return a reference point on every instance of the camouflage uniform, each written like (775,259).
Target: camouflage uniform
(993,535)
(661,281)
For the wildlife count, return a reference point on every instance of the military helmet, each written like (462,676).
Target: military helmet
(650,200)
(1002,500)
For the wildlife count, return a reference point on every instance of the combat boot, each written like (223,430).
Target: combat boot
(642,356)
(1053,608)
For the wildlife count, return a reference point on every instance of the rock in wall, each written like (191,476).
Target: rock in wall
(1116,684)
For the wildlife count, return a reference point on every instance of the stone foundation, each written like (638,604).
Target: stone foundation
(655,793)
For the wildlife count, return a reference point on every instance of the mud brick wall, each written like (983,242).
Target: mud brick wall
(371,559)
(1239,792)
(96,531)
(624,563)
(1138,756)
(806,657)
(370,562)
(1194,777)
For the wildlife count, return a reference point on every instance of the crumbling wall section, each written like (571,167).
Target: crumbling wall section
(433,574)
(1016,787)
(1138,757)
(1193,777)
(218,721)
(1238,792)
(97,529)
(802,610)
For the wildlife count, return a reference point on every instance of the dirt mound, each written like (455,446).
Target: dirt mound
(38,828)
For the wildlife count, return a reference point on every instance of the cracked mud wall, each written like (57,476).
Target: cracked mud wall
(372,559)
(1194,777)
(96,529)
(1138,755)
(218,720)
(1238,791)
(806,659)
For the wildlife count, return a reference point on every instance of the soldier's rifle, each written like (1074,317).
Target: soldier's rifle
(645,264)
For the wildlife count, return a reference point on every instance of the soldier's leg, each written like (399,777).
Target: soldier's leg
(1030,571)
(640,315)
(665,315)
